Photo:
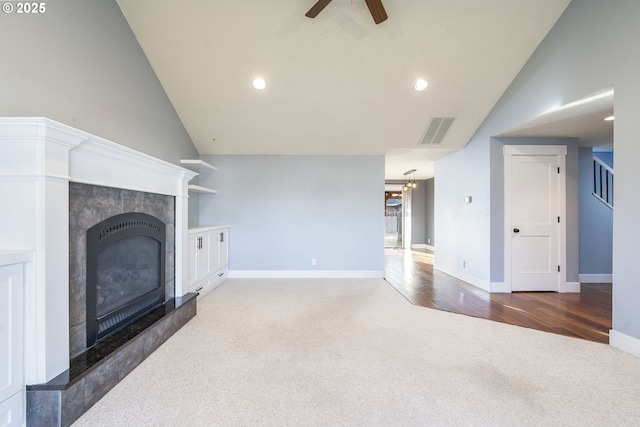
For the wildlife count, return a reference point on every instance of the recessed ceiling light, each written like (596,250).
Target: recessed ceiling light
(259,83)
(609,119)
(421,84)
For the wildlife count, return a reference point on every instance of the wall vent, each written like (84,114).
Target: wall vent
(436,130)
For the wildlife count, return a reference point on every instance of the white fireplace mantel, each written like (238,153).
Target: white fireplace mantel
(38,159)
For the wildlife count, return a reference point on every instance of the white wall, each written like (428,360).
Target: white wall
(626,234)
(80,64)
(593,46)
(286,210)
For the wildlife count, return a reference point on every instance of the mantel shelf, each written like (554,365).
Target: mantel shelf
(199,189)
(196,164)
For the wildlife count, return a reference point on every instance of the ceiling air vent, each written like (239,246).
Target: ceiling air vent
(437,129)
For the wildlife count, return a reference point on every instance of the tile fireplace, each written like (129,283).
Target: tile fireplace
(44,164)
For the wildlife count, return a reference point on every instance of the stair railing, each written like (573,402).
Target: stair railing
(603,182)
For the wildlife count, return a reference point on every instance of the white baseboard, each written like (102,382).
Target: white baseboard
(475,281)
(495,287)
(624,342)
(570,287)
(423,246)
(595,278)
(498,288)
(306,274)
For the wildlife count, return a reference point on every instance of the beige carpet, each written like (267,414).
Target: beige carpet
(355,353)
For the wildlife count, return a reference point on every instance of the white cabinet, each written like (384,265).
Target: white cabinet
(200,256)
(12,394)
(208,258)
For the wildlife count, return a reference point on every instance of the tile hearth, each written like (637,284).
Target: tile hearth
(93,373)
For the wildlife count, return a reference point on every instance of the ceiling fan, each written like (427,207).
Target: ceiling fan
(375,7)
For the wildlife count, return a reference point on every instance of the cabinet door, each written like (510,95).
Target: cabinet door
(192,255)
(199,256)
(11,411)
(204,255)
(11,333)
(223,247)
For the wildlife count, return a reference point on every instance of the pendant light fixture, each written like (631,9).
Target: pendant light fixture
(409,183)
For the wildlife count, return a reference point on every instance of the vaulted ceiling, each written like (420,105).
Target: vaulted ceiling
(338,84)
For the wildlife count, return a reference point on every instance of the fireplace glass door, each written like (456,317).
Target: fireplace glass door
(125,272)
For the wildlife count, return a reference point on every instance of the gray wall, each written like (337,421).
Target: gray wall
(286,210)
(429,229)
(592,46)
(422,215)
(419,214)
(80,64)
(463,230)
(596,223)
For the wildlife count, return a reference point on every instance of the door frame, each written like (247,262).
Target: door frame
(540,150)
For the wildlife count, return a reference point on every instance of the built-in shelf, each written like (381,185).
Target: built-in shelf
(199,189)
(199,166)
(196,164)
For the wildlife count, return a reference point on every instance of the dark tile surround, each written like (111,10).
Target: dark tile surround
(93,373)
(88,205)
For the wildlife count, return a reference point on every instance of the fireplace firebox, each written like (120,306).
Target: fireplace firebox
(125,272)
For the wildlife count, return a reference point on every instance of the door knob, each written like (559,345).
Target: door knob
(516,230)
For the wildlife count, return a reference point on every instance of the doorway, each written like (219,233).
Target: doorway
(393,218)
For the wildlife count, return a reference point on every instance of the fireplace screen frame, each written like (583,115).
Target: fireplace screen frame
(100,237)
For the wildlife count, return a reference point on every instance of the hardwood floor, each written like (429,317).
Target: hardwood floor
(585,315)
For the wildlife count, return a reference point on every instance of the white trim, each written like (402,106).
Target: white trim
(595,278)
(423,246)
(498,288)
(100,162)
(535,150)
(563,286)
(472,280)
(624,342)
(306,274)
(569,287)
(15,257)
(549,150)
(508,263)
(204,228)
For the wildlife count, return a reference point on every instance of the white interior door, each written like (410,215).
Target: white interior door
(533,218)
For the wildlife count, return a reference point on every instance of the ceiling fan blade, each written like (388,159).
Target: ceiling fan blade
(317,8)
(377,10)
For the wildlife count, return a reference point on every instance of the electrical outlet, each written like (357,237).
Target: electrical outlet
(314,261)
(428,240)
